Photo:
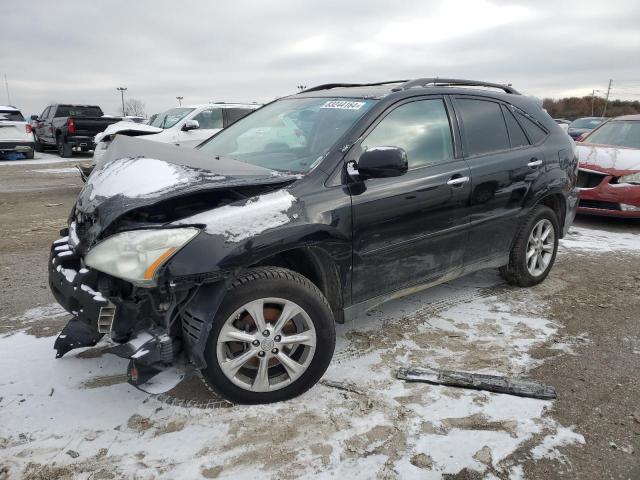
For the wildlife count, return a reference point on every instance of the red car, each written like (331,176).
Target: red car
(609,175)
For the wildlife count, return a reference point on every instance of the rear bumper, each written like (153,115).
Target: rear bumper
(83,142)
(16,146)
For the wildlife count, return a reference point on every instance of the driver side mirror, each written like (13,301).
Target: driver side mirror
(190,125)
(382,162)
(34,118)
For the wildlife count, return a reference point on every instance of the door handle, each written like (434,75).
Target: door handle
(534,163)
(457,180)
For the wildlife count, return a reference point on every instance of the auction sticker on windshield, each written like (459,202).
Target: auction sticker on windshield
(343,105)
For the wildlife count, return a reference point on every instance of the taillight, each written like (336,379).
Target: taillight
(71,126)
(579,138)
(28,128)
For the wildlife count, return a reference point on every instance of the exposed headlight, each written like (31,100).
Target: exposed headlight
(136,256)
(633,178)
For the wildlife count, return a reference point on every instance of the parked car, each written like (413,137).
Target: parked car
(15,132)
(238,262)
(609,176)
(563,123)
(183,126)
(66,127)
(584,125)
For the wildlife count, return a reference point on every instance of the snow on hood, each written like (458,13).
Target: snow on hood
(609,159)
(139,176)
(239,222)
(126,126)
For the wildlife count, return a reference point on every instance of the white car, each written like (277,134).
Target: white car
(185,126)
(16,135)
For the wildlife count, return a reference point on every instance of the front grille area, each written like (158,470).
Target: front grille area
(589,179)
(599,204)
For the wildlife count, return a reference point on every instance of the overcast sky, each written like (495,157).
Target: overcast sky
(80,51)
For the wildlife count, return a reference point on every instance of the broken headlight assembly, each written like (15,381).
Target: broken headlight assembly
(633,178)
(137,256)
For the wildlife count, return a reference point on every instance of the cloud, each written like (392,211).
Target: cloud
(77,51)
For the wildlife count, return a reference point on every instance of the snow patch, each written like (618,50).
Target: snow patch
(140,177)
(238,222)
(549,447)
(593,240)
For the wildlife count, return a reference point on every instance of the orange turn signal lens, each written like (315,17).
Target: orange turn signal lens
(151,271)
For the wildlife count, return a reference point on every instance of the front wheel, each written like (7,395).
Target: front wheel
(272,338)
(534,250)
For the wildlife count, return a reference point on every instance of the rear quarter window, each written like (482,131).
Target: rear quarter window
(485,130)
(11,116)
(516,134)
(534,131)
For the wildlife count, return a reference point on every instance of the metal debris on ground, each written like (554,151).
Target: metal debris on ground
(477,381)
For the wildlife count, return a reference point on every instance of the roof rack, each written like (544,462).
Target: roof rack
(423,82)
(327,86)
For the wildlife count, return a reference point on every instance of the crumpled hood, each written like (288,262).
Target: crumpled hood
(615,161)
(138,173)
(125,127)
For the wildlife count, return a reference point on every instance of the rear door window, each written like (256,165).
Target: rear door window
(421,128)
(77,111)
(484,127)
(235,114)
(535,132)
(516,134)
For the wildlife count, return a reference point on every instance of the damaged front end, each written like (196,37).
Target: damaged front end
(123,270)
(142,324)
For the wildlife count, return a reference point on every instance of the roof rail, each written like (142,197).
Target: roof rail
(422,82)
(327,86)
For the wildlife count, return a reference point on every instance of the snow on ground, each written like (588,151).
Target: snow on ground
(594,240)
(42,158)
(78,416)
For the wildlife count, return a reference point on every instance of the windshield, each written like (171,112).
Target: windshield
(169,118)
(618,133)
(11,115)
(586,123)
(289,135)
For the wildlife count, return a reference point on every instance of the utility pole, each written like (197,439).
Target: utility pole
(606,100)
(6,86)
(179,100)
(122,90)
(593,97)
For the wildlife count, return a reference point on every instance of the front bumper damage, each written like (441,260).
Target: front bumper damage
(109,308)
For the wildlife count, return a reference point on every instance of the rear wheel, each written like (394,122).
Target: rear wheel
(38,145)
(534,249)
(29,155)
(272,338)
(64,149)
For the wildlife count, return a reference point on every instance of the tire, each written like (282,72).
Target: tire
(37,145)
(519,271)
(64,149)
(314,320)
(29,155)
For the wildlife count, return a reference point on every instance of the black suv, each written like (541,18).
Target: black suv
(237,258)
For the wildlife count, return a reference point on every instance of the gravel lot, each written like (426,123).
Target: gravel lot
(578,331)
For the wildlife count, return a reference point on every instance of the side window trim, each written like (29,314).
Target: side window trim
(506,106)
(456,149)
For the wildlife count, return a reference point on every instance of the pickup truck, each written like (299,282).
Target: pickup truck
(67,126)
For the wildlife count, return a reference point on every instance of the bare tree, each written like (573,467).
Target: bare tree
(133,106)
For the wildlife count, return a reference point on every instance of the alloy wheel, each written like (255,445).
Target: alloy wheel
(266,344)
(540,247)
